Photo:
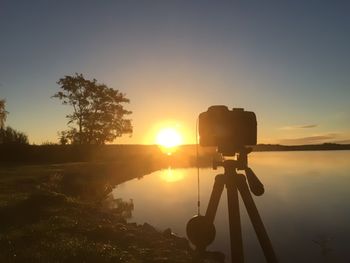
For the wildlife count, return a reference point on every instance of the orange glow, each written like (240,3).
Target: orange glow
(169,137)
(171,176)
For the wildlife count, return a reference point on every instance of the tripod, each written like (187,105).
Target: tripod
(201,229)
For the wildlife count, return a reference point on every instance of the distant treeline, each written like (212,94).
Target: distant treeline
(313,147)
(185,155)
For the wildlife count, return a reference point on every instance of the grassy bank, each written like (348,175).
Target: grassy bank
(62,213)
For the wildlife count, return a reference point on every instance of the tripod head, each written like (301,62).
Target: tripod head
(241,155)
(240,163)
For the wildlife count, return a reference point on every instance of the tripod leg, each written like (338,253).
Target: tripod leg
(234,221)
(215,197)
(255,218)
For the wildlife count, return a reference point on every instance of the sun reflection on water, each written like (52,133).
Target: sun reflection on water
(170,176)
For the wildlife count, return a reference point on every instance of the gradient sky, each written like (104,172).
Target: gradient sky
(289,62)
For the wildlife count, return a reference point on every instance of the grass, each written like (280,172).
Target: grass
(59,213)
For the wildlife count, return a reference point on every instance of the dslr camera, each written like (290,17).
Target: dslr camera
(228,130)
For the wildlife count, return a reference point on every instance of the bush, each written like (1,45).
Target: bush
(9,135)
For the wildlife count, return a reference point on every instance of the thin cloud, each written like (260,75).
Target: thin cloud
(295,127)
(316,139)
(308,126)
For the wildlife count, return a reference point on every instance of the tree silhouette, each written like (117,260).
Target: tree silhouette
(9,135)
(3,113)
(98,113)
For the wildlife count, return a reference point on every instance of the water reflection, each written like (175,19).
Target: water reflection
(305,207)
(170,175)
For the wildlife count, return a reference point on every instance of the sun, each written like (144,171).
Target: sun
(168,137)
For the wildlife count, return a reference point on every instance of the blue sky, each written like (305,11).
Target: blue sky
(288,61)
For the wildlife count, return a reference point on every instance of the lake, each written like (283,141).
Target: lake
(305,207)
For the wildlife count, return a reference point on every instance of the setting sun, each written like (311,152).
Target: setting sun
(169,137)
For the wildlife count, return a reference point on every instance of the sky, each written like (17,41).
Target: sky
(288,61)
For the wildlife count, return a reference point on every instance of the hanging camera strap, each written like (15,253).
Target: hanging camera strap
(198,178)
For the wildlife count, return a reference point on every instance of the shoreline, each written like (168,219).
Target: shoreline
(62,213)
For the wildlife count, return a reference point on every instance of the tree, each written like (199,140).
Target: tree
(98,114)
(3,113)
(9,135)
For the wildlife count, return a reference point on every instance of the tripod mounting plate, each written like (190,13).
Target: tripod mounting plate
(227,150)
(241,162)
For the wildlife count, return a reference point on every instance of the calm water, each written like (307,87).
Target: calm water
(305,208)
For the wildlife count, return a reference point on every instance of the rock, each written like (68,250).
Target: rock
(167,232)
(148,227)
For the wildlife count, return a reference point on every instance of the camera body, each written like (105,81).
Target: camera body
(229,130)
